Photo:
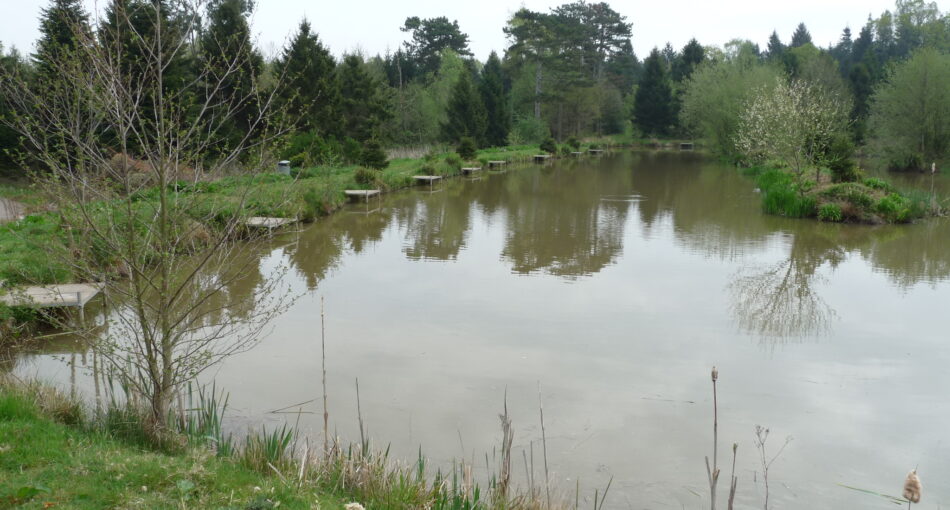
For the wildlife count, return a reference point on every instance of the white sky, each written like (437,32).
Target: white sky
(373,26)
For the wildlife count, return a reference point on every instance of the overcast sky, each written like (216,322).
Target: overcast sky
(373,26)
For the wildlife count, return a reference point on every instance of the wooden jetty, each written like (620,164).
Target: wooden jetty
(427,179)
(577,154)
(541,158)
(595,151)
(74,295)
(686,146)
(361,193)
(471,170)
(493,164)
(268,223)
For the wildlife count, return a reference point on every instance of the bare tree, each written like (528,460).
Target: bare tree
(126,151)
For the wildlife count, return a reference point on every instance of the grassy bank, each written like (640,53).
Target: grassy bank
(25,255)
(870,200)
(50,457)
(54,452)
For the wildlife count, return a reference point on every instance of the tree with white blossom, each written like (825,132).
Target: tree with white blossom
(794,122)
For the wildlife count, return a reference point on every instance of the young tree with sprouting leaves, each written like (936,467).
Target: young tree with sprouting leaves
(794,122)
(910,113)
(123,200)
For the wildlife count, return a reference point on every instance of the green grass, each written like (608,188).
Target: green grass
(54,452)
(44,462)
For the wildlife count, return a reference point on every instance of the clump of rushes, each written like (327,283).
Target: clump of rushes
(912,488)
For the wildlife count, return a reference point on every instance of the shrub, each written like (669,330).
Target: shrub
(365,176)
(352,151)
(466,148)
(549,146)
(594,146)
(830,212)
(426,169)
(373,155)
(840,157)
(893,208)
(526,130)
(565,150)
(454,162)
(573,143)
(875,183)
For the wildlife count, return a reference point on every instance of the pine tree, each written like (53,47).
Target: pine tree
(776,49)
(623,68)
(310,91)
(11,64)
(131,30)
(692,55)
(465,113)
(228,54)
(801,36)
(430,37)
(61,24)
(495,99)
(653,103)
(363,107)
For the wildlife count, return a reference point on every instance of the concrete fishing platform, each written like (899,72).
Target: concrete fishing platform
(53,296)
(361,193)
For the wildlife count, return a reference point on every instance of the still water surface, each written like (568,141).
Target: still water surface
(615,283)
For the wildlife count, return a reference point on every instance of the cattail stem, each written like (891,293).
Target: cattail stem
(323,366)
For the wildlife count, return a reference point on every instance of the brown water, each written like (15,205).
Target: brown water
(615,283)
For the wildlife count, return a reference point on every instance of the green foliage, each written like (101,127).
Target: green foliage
(308,148)
(910,113)
(431,38)
(528,130)
(227,51)
(549,146)
(373,155)
(782,196)
(894,208)
(466,148)
(495,99)
(880,184)
(574,143)
(365,176)
(465,115)
(715,97)
(830,212)
(363,104)
(653,107)
(839,157)
(309,93)
(454,162)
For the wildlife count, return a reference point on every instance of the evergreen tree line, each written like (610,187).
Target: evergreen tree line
(567,72)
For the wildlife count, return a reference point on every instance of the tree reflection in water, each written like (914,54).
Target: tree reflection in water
(781,304)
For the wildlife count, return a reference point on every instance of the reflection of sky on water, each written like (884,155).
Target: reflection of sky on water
(439,302)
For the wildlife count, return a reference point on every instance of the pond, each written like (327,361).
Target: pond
(613,284)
